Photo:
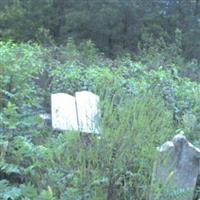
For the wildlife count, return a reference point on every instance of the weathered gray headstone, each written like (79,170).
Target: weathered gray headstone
(175,170)
(63,111)
(88,111)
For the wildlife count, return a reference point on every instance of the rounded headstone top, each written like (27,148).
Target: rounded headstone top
(179,139)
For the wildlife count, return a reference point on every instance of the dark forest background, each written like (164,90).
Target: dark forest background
(113,25)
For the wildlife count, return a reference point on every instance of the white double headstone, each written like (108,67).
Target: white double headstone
(79,113)
(63,111)
(87,111)
(176,170)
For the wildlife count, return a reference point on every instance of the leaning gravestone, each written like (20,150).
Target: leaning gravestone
(175,170)
(63,111)
(87,111)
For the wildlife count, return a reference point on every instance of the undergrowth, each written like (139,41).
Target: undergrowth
(141,108)
(116,165)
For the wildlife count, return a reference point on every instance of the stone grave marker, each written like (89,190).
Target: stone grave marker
(175,170)
(63,111)
(87,111)
(79,113)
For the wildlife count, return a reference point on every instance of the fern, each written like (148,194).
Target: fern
(9,168)
(8,192)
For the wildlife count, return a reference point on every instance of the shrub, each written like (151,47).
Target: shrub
(141,108)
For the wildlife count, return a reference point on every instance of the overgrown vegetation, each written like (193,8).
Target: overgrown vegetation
(143,104)
(140,56)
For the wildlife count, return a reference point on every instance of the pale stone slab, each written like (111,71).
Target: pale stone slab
(175,170)
(88,111)
(63,108)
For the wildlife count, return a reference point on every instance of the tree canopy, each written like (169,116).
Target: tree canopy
(113,25)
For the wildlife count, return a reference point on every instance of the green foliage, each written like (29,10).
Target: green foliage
(18,62)
(113,25)
(142,106)
(8,192)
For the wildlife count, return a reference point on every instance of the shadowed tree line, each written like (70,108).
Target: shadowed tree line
(113,25)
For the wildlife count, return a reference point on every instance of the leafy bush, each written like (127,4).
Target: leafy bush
(141,108)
